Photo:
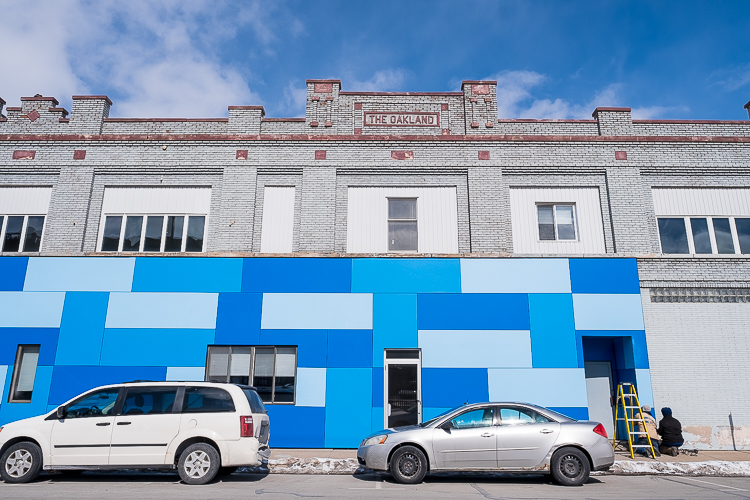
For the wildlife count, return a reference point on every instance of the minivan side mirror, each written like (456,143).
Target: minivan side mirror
(60,412)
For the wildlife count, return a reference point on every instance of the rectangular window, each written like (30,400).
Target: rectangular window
(271,370)
(743,234)
(149,400)
(723,233)
(152,233)
(704,235)
(24,374)
(21,233)
(673,235)
(402,224)
(701,238)
(556,222)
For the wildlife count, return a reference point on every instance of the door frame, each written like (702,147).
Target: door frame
(401,361)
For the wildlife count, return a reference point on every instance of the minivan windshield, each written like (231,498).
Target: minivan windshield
(256,405)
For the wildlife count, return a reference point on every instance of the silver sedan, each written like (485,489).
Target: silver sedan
(514,437)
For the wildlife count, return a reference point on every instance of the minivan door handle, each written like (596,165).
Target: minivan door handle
(123,423)
(546,431)
(487,435)
(103,424)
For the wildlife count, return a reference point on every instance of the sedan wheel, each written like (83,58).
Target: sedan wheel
(570,467)
(408,465)
(199,464)
(21,463)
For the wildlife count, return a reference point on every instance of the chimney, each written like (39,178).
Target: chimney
(322,106)
(88,113)
(614,121)
(245,120)
(480,105)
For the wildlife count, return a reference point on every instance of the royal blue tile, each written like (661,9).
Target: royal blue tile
(238,318)
(10,338)
(348,406)
(312,344)
(378,396)
(473,311)
(296,426)
(296,275)
(82,328)
(574,412)
(451,387)
(187,274)
(394,323)
(69,381)
(12,273)
(406,275)
(632,346)
(155,347)
(553,336)
(604,276)
(349,348)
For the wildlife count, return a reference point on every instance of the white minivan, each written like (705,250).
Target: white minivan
(199,428)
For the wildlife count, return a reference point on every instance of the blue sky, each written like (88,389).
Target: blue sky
(552,59)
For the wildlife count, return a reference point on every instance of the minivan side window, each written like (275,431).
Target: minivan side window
(149,400)
(207,400)
(97,404)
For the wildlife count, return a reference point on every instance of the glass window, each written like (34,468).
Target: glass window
(173,237)
(514,416)
(723,233)
(263,373)
(701,238)
(482,417)
(743,234)
(556,222)
(207,400)
(566,229)
(33,238)
(152,239)
(13,229)
(546,222)
(24,374)
(131,241)
(111,237)
(673,236)
(149,400)
(97,404)
(239,365)
(402,224)
(194,241)
(256,405)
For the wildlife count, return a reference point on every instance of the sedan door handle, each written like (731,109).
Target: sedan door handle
(103,424)
(546,431)
(123,423)
(487,435)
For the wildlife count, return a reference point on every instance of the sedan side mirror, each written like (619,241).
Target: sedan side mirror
(60,412)
(447,426)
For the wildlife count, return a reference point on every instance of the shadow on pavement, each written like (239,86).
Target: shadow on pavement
(139,477)
(472,477)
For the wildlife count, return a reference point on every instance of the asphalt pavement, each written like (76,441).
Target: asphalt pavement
(165,486)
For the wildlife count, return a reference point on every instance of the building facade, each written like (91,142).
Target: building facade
(385,258)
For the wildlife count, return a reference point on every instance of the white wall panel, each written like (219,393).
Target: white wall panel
(277,232)
(721,201)
(157,200)
(589,226)
(24,200)
(367,218)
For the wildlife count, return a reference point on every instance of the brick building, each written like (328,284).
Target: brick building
(387,257)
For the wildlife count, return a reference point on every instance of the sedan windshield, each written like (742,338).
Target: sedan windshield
(435,419)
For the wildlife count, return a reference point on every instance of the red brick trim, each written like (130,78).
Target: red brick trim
(357,105)
(247,107)
(621,155)
(480,89)
(23,155)
(489,124)
(402,93)
(63,120)
(474,125)
(479,82)
(747,106)
(79,154)
(622,110)
(12,108)
(328,124)
(33,115)
(313,124)
(320,154)
(323,88)
(446,131)
(357,131)
(323,81)
(94,97)
(40,98)
(484,155)
(3,119)
(58,110)
(241,154)
(402,155)
(444,107)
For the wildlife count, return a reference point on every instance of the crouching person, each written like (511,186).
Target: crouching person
(670,431)
(650,427)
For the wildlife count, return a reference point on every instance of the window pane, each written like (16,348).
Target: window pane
(286,360)
(473,419)
(195,234)
(33,239)
(701,239)
(565,225)
(256,405)
(207,400)
(402,236)
(239,372)
(173,238)
(132,239)
(12,241)
(149,401)
(513,416)
(218,363)
(402,209)
(546,222)
(673,236)
(152,241)
(743,232)
(723,233)
(25,372)
(101,403)
(263,373)
(111,238)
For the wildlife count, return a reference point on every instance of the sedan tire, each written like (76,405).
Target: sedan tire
(21,462)
(570,467)
(199,464)
(408,465)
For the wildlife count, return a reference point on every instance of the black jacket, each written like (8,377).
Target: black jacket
(670,431)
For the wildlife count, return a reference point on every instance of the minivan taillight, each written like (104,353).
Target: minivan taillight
(599,429)
(246,426)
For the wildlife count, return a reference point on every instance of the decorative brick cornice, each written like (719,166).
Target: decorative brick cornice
(93,97)
(40,98)
(621,110)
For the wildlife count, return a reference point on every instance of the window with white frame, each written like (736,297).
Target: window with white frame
(704,235)
(21,233)
(556,222)
(272,370)
(402,225)
(153,233)
(24,374)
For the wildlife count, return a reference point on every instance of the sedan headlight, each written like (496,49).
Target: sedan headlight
(374,440)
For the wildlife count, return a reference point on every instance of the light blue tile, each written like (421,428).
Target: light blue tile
(394,324)
(3,374)
(186,373)
(643,384)
(553,335)
(79,274)
(348,406)
(506,275)
(155,347)
(541,386)
(311,387)
(162,310)
(187,274)
(317,311)
(608,311)
(475,348)
(406,275)
(82,328)
(31,309)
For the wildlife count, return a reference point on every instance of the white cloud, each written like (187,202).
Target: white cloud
(382,81)
(295,99)
(732,78)
(651,112)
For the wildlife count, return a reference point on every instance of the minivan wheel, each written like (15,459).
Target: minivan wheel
(570,467)
(21,462)
(199,463)
(408,465)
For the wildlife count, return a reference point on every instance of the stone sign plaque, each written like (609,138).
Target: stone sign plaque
(401,119)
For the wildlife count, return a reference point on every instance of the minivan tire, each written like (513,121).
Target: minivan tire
(408,465)
(199,464)
(570,466)
(27,465)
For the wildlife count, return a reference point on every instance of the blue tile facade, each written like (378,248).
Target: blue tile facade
(488,329)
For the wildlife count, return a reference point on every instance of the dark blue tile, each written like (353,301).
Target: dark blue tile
(10,338)
(452,387)
(604,276)
(377,387)
(12,273)
(297,275)
(312,351)
(297,426)
(349,348)
(238,318)
(629,347)
(69,381)
(473,311)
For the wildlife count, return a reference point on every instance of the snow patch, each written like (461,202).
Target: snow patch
(306,466)
(708,468)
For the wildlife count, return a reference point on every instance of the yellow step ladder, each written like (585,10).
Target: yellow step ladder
(627,399)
